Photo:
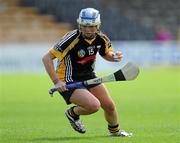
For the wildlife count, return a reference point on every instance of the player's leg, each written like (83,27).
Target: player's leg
(86,103)
(109,108)
(107,103)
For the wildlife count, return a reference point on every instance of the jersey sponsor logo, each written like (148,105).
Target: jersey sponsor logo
(81,53)
(87,59)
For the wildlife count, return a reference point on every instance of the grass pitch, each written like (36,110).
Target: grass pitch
(149,107)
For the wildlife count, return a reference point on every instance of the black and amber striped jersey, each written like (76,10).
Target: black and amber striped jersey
(77,55)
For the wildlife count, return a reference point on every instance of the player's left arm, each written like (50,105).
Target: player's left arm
(106,50)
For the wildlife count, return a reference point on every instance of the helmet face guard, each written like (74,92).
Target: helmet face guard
(89,17)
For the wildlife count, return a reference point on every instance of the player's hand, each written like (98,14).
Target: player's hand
(60,86)
(117,57)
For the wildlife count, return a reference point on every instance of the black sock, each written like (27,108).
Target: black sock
(74,115)
(113,129)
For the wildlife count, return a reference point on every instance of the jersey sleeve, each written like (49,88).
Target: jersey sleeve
(61,49)
(57,52)
(106,45)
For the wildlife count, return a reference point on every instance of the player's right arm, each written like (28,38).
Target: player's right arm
(59,51)
(49,66)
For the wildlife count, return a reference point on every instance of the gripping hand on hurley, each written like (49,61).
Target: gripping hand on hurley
(60,86)
(117,56)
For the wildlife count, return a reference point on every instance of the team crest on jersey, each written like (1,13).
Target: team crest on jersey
(81,53)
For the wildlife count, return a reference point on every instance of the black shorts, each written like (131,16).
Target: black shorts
(67,94)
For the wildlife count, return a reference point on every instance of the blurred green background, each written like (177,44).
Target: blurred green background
(149,107)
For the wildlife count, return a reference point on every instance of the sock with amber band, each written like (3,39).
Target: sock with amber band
(73,115)
(113,129)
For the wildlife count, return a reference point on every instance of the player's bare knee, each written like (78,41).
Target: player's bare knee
(109,107)
(94,107)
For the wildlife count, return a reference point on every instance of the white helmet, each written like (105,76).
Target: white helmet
(89,17)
